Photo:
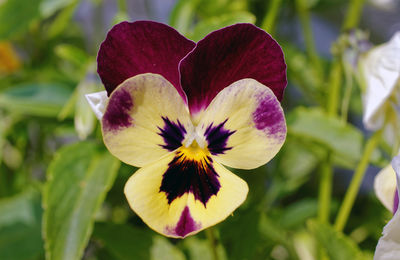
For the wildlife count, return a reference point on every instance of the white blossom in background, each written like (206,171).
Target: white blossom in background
(84,118)
(380,72)
(388,247)
(385,187)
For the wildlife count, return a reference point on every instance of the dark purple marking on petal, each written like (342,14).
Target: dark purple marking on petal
(141,47)
(185,175)
(185,225)
(117,115)
(396,201)
(217,138)
(228,55)
(172,133)
(268,117)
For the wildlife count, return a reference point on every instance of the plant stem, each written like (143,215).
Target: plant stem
(354,187)
(305,21)
(122,6)
(335,80)
(269,21)
(353,14)
(325,190)
(347,94)
(210,233)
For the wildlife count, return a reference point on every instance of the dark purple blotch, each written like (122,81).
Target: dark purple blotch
(117,114)
(172,133)
(395,202)
(217,138)
(185,175)
(267,116)
(185,225)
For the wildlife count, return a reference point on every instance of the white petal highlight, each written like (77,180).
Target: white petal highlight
(98,102)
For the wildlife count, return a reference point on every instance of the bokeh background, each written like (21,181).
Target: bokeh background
(61,193)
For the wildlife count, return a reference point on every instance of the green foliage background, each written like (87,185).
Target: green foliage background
(61,192)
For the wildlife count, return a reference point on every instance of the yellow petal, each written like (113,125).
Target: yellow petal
(145,118)
(176,206)
(244,126)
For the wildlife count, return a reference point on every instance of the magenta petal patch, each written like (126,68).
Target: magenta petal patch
(185,225)
(141,47)
(228,55)
(395,202)
(117,115)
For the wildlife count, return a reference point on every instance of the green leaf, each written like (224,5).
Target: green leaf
(62,20)
(16,16)
(343,139)
(20,226)
(200,249)
(163,249)
(78,179)
(72,54)
(123,241)
(204,27)
(336,244)
(241,233)
(49,7)
(297,213)
(294,152)
(35,99)
(126,242)
(182,16)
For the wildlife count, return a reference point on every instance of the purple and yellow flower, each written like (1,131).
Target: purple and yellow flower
(183,111)
(388,247)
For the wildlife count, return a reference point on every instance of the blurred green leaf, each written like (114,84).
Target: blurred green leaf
(300,74)
(163,249)
(343,139)
(16,16)
(77,181)
(215,8)
(297,213)
(303,156)
(63,19)
(336,244)
(206,26)
(49,7)
(36,99)
(123,241)
(182,16)
(20,226)
(72,54)
(200,249)
(241,233)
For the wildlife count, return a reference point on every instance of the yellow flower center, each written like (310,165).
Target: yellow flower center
(194,151)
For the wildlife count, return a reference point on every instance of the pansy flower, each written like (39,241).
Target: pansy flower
(388,247)
(183,111)
(380,73)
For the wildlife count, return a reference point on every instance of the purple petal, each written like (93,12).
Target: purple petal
(185,225)
(185,175)
(395,202)
(228,55)
(172,133)
(141,47)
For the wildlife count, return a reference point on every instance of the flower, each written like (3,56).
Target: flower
(388,247)
(381,73)
(181,110)
(385,188)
